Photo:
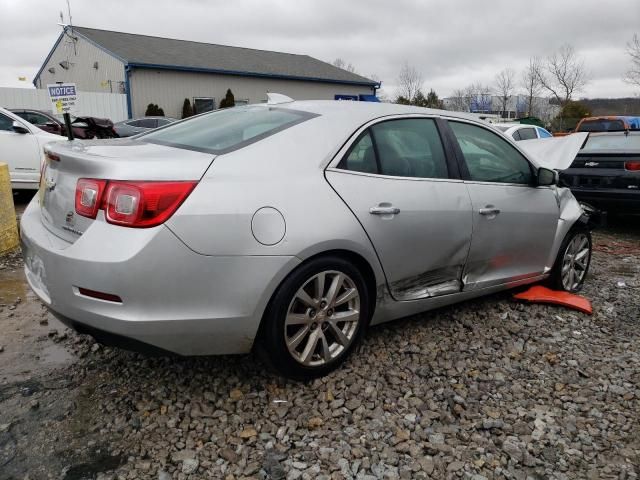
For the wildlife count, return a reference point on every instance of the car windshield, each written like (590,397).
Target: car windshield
(226,130)
(617,141)
(601,126)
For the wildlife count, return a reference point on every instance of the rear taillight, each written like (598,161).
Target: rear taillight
(89,196)
(633,166)
(131,204)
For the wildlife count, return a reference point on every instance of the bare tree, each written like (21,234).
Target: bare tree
(340,63)
(410,82)
(504,87)
(530,82)
(478,97)
(563,74)
(633,50)
(458,101)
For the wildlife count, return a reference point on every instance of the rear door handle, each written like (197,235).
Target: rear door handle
(379,210)
(489,210)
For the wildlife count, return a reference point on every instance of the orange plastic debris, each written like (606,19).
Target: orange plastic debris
(540,294)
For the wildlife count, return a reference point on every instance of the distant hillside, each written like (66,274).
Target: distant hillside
(613,106)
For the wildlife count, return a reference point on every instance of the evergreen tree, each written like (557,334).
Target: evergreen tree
(433,101)
(187,111)
(228,100)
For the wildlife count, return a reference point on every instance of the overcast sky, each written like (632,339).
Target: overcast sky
(452,42)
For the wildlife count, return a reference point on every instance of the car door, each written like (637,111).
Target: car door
(406,193)
(514,221)
(20,151)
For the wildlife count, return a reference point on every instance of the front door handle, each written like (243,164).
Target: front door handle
(384,210)
(489,210)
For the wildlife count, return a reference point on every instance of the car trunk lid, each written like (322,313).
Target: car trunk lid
(121,159)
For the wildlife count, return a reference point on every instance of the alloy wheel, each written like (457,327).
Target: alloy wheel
(323,318)
(575,262)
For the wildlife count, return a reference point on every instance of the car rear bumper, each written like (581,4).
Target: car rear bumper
(173,299)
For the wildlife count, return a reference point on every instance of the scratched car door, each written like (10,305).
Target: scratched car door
(395,178)
(514,220)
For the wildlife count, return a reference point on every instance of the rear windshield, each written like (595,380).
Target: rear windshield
(613,141)
(223,131)
(601,126)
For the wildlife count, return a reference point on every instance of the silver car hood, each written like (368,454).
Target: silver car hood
(556,153)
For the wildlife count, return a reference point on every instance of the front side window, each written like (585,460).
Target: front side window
(490,158)
(408,147)
(226,130)
(6,123)
(37,118)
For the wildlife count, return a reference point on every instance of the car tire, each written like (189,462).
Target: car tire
(573,260)
(306,334)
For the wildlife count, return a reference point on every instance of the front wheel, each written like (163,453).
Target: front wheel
(315,318)
(572,263)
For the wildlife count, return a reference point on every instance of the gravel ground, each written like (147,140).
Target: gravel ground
(486,389)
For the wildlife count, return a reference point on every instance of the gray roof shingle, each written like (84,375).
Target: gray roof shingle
(168,52)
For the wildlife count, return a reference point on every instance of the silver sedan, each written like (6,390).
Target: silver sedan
(290,227)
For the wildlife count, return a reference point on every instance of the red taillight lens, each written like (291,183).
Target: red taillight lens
(89,196)
(633,166)
(131,204)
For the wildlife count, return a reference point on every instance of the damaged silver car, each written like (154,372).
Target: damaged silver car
(291,227)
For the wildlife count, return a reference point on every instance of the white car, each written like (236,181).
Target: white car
(21,146)
(520,131)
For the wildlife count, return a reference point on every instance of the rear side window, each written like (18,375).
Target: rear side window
(226,130)
(401,148)
(489,157)
(527,134)
(361,157)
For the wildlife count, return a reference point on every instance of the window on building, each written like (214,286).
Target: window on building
(203,104)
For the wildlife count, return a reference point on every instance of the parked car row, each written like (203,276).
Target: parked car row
(519,131)
(82,127)
(24,132)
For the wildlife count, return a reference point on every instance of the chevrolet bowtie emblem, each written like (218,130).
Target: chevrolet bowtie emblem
(591,164)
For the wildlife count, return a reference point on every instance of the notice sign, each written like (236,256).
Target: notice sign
(64,97)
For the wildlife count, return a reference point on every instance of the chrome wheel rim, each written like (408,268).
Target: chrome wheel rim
(322,319)
(575,262)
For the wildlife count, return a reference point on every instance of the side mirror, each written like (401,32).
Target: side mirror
(19,128)
(547,177)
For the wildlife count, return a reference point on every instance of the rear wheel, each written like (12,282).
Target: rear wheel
(315,318)
(572,263)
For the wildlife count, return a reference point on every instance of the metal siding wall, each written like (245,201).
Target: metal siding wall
(168,89)
(81,71)
(90,104)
